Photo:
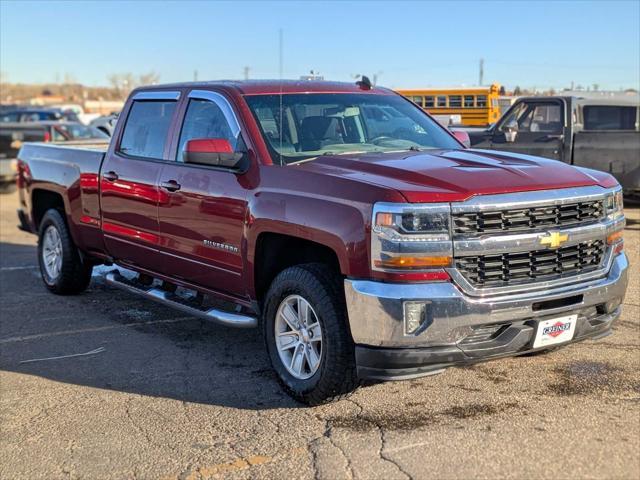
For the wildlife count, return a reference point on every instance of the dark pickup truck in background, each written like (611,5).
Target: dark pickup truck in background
(602,134)
(359,234)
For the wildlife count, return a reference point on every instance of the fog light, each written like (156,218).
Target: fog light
(415,317)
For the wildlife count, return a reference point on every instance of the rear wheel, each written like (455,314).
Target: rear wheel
(307,337)
(61,265)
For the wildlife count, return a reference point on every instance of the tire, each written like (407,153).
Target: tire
(70,274)
(336,375)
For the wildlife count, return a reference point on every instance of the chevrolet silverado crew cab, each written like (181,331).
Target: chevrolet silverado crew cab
(356,232)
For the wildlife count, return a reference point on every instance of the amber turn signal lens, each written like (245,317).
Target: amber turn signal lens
(384,219)
(614,237)
(413,262)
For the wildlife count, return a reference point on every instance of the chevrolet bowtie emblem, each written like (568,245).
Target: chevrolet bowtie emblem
(554,239)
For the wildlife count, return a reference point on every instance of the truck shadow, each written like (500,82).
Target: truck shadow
(138,346)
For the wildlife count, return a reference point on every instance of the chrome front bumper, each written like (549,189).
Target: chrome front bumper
(376,309)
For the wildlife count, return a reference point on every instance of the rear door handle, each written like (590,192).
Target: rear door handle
(110,176)
(171,185)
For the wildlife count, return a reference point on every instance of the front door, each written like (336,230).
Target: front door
(201,224)
(533,127)
(129,190)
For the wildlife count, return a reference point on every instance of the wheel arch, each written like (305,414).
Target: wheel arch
(275,252)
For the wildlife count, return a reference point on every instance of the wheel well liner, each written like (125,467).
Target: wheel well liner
(43,200)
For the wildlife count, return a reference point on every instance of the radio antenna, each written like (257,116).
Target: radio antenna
(280,75)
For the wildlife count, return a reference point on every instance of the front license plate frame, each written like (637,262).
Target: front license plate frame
(554,331)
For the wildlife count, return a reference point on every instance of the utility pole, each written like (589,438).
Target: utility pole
(195,75)
(246,73)
(481,72)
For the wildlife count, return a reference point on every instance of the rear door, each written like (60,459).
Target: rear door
(202,223)
(129,180)
(539,129)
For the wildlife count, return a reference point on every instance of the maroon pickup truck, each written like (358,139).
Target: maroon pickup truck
(360,235)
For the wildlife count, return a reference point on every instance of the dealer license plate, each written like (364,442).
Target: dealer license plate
(555,330)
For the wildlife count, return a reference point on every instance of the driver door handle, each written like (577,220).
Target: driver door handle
(110,176)
(171,185)
(554,137)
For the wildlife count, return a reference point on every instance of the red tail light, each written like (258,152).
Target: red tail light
(47,137)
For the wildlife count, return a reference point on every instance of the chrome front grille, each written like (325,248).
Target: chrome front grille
(527,219)
(504,269)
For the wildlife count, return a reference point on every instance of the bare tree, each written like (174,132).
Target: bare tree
(150,78)
(69,79)
(123,83)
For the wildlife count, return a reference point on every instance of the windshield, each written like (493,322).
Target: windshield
(316,124)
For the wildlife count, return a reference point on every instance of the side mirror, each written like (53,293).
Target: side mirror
(216,152)
(462,137)
(510,131)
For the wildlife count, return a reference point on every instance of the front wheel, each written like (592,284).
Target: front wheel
(61,266)
(307,337)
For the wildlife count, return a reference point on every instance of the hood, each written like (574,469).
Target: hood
(453,175)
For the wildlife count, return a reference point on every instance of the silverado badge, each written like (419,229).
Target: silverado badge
(554,239)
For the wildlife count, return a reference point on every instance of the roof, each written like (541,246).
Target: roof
(617,101)
(611,101)
(39,123)
(470,88)
(27,109)
(265,87)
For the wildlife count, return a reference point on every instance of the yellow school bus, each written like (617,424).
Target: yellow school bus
(476,106)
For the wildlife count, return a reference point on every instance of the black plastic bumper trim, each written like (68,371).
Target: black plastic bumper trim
(376,363)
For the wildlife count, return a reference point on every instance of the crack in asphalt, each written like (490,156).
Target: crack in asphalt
(383,441)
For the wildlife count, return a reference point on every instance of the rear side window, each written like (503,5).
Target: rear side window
(600,117)
(147,127)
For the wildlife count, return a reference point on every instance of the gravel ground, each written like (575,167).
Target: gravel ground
(160,395)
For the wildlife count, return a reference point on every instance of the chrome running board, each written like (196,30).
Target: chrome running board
(181,303)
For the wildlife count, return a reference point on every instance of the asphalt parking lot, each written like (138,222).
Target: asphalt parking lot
(105,385)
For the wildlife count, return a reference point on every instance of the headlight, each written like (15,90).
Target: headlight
(614,205)
(408,237)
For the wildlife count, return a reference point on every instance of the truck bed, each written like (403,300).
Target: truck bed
(70,170)
(83,155)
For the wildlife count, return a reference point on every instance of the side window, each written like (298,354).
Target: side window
(59,135)
(441,101)
(417,101)
(514,116)
(542,118)
(481,101)
(601,117)
(428,101)
(468,101)
(204,119)
(455,101)
(147,127)
(10,117)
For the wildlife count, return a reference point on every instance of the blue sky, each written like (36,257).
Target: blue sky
(531,44)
